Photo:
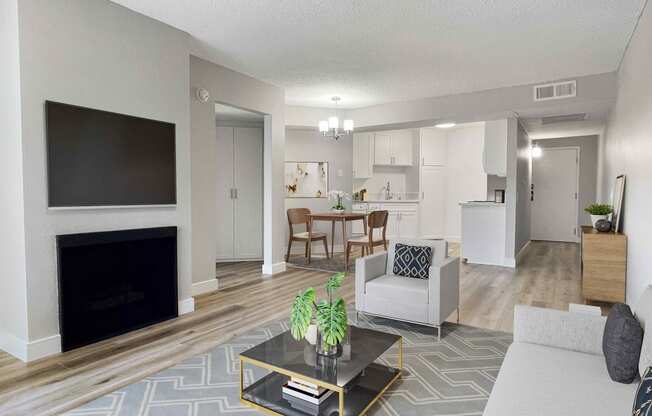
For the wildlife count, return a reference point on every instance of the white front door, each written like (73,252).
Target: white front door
(554,209)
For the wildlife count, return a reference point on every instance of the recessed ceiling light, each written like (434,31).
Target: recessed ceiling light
(445,125)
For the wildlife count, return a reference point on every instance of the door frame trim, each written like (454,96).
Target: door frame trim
(577,184)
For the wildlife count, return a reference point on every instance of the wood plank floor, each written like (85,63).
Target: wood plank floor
(548,277)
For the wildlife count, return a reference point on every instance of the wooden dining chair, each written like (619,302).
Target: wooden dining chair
(300,216)
(376,220)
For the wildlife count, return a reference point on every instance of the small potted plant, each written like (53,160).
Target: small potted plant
(330,317)
(599,212)
(338,196)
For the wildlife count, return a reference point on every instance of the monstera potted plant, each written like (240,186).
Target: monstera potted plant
(329,317)
(599,212)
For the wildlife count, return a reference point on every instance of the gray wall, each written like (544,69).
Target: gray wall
(628,150)
(588,169)
(13,284)
(511,191)
(309,145)
(100,55)
(233,88)
(523,181)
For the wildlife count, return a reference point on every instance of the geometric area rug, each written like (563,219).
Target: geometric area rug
(453,377)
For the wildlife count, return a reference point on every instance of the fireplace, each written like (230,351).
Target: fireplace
(114,282)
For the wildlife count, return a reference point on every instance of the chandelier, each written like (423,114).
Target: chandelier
(331,127)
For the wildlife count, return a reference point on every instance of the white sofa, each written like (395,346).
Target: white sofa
(423,301)
(556,367)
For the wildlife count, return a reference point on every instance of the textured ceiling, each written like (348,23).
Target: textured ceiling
(376,51)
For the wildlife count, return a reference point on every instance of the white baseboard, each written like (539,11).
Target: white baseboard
(43,347)
(274,268)
(206,286)
(13,345)
(32,350)
(509,262)
(522,251)
(186,306)
(485,262)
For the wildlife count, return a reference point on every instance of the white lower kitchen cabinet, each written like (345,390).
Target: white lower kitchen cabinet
(408,224)
(403,221)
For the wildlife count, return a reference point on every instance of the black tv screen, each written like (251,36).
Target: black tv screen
(98,158)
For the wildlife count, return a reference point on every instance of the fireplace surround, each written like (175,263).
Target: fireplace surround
(114,282)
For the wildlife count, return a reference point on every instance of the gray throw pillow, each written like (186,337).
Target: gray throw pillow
(621,344)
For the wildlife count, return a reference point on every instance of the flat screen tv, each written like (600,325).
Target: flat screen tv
(101,159)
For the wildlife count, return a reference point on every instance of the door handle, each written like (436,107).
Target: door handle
(231,193)
(531,192)
(235,190)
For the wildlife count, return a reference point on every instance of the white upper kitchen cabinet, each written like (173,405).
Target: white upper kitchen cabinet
(433,147)
(494,158)
(363,155)
(393,148)
(402,143)
(383,148)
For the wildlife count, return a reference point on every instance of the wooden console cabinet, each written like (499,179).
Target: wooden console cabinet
(604,266)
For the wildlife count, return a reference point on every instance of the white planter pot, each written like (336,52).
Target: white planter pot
(596,218)
(311,335)
(338,211)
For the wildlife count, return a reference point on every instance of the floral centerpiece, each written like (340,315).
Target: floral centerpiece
(338,196)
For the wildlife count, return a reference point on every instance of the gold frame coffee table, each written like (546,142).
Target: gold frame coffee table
(353,375)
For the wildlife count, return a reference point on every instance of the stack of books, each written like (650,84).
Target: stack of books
(305,391)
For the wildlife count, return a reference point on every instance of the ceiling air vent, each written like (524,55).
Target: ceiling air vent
(555,91)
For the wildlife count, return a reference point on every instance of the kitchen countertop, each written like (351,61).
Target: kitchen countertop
(386,201)
(481,204)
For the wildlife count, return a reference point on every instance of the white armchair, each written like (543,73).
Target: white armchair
(423,301)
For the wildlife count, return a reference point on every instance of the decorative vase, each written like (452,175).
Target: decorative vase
(338,211)
(323,348)
(596,218)
(603,226)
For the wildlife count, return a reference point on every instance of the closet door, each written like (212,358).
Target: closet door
(225,208)
(248,220)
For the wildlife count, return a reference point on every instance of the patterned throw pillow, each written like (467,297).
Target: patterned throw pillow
(412,261)
(643,400)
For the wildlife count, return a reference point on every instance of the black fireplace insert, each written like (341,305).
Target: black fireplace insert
(115,282)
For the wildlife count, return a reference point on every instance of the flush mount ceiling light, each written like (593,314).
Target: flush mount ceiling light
(331,127)
(446,125)
(535,151)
